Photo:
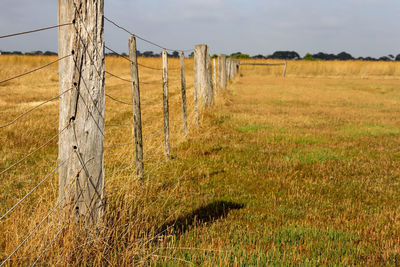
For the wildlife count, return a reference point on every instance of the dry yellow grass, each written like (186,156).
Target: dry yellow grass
(306,168)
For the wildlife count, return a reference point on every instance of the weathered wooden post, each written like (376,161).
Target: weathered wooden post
(284,69)
(237,66)
(81,120)
(230,69)
(222,71)
(137,114)
(183,91)
(215,77)
(228,77)
(165,102)
(202,78)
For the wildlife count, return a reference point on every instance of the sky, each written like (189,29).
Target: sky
(360,27)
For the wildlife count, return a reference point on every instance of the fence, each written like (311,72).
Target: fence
(81,130)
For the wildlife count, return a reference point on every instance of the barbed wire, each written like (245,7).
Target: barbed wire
(34,189)
(119,101)
(152,118)
(35,229)
(119,145)
(32,109)
(128,59)
(34,70)
(143,39)
(51,242)
(118,77)
(33,152)
(152,134)
(36,30)
(123,79)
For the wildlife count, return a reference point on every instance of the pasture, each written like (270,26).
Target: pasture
(302,169)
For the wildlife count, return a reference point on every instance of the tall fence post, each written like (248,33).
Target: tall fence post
(82,108)
(222,71)
(202,77)
(183,91)
(229,68)
(284,69)
(215,76)
(137,114)
(165,102)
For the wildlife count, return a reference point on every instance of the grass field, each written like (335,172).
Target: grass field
(299,170)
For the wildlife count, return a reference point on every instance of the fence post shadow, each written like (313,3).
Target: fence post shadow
(201,216)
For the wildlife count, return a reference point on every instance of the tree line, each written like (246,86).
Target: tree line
(291,55)
(318,56)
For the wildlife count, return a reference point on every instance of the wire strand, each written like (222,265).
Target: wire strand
(37,30)
(143,39)
(34,70)
(128,59)
(32,109)
(36,150)
(119,101)
(118,77)
(51,242)
(34,189)
(120,145)
(34,230)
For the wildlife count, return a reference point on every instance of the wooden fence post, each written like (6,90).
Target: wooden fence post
(228,68)
(215,77)
(202,79)
(222,71)
(183,91)
(284,69)
(165,102)
(137,114)
(82,108)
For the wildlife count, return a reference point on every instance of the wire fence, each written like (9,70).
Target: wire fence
(91,106)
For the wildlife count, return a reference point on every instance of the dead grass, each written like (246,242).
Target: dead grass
(303,169)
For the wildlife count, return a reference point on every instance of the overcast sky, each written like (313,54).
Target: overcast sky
(360,27)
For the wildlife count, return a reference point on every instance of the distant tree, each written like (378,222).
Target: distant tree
(324,56)
(397,57)
(259,56)
(50,53)
(34,53)
(239,56)
(214,56)
(234,54)
(112,54)
(344,56)
(370,59)
(148,54)
(385,58)
(308,56)
(175,54)
(285,55)
(191,55)
(124,54)
(391,56)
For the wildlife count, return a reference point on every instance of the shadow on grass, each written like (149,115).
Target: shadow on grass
(201,216)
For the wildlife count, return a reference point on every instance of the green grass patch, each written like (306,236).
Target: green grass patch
(301,140)
(253,128)
(372,129)
(312,155)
